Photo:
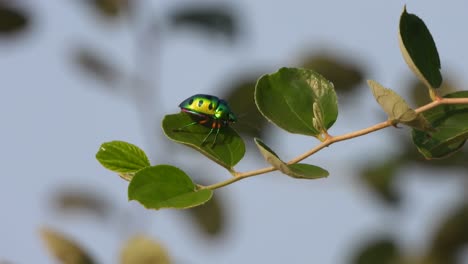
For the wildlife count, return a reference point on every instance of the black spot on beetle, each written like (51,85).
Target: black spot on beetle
(200,103)
(190,102)
(210,106)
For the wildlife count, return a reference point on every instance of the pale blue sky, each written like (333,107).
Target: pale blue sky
(54,119)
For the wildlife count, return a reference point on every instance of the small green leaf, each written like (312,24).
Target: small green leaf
(270,156)
(451,129)
(297,100)
(420,123)
(141,249)
(300,170)
(419,49)
(122,157)
(64,249)
(306,171)
(393,104)
(396,108)
(227,151)
(166,186)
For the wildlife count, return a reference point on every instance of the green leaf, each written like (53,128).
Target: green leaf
(227,151)
(166,186)
(451,129)
(122,157)
(269,155)
(64,249)
(299,170)
(306,171)
(141,249)
(297,100)
(396,108)
(419,49)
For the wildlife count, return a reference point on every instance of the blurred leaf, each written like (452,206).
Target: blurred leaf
(93,64)
(143,250)
(420,96)
(298,170)
(419,49)
(211,19)
(166,186)
(297,100)
(380,178)
(396,108)
(63,249)
(451,124)
(67,200)
(383,251)
(210,217)
(12,19)
(241,100)
(229,147)
(345,75)
(451,237)
(110,8)
(122,157)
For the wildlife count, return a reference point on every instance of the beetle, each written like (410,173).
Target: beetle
(210,111)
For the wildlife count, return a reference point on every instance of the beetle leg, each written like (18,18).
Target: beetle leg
(191,124)
(215,125)
(203,121)
(204,140)
(218,126)
(209,133)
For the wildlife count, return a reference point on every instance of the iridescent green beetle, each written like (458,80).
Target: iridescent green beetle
(210,111)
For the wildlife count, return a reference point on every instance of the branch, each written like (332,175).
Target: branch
(330,140)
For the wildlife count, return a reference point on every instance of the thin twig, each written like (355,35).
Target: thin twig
(330,140)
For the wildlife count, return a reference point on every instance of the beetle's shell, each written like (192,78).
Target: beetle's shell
(200,104)
(205,105)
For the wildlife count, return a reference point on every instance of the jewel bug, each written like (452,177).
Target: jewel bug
(210,111)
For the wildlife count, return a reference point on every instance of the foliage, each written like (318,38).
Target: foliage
(297,100)
(300,101)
